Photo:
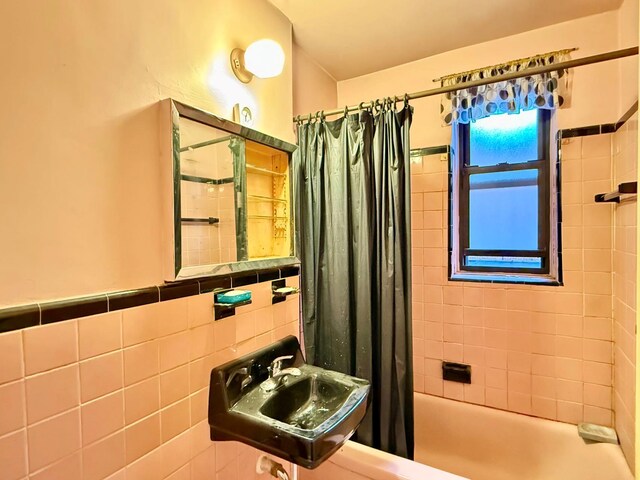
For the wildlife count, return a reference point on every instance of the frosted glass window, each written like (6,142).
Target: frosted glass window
(503,210)
(504,139)
(504,188)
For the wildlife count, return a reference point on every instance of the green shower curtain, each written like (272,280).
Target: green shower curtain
(351,182)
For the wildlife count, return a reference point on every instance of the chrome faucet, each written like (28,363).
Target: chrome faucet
(276,365)
(245,381)
(277,374)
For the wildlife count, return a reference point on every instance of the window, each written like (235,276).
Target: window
(502,191)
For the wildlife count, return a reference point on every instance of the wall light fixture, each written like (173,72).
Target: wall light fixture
(263,58)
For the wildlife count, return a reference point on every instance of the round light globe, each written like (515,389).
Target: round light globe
(264,58)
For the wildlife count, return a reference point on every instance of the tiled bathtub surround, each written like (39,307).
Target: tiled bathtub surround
(625,158)
(544,351)
(127,391)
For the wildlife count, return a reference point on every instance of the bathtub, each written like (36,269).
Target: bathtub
(482,443)
(358,462)
(456,441)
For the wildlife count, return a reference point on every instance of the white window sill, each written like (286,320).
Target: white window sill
(514,278)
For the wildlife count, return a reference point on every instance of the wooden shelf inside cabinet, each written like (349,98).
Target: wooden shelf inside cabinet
(263,171)
(628,188)
(260,198)
(266,217)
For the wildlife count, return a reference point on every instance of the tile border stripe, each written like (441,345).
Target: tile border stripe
(31,315)
(600,129)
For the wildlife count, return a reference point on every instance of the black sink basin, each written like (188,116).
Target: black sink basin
(308,402)
(303,418)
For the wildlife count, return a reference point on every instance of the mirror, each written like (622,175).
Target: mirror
(230,196)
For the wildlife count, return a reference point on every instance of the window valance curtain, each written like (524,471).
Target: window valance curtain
(547,90)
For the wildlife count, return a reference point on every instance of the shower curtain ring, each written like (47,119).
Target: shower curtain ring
(309,120)
(406,100)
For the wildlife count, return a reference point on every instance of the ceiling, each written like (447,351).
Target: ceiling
(355,37)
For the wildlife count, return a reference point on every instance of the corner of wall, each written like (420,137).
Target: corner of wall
(314,88)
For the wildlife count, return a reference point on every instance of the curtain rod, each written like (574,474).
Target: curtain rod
(504,64)
(578,62)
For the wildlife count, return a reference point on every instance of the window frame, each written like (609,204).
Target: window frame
(543,165)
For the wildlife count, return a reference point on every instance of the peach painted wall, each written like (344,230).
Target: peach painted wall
(81,192)
(594,34)
(625,168)
(628,22)
(313,88)
(126,393)
(544,351)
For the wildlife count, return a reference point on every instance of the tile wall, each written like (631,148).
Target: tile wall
(126,393)
(208,244)
(543,351)
(625,158)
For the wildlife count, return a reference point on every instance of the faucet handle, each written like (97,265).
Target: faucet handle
(276,364)
(239,371)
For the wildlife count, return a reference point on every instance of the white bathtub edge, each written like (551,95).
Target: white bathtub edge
(379,465)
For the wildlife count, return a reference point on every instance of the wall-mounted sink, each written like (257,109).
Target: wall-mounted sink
(272,400)
(308,402)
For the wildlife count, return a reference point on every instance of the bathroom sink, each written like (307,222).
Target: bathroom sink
(303,414)
(308,402)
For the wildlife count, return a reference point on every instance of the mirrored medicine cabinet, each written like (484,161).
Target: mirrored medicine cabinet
(228,196)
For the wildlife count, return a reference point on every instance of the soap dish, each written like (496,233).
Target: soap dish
(280,291)
(225,302)
(597,433)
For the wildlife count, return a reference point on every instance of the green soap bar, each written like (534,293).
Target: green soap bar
(234,296)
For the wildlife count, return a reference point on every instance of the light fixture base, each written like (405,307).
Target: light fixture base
(237,65)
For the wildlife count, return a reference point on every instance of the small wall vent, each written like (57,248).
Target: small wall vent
(456,372)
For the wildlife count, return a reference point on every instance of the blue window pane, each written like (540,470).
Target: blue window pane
(504,139)
(503,262)
(503,210)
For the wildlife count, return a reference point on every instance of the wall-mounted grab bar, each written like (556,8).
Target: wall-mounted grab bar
(628,188)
